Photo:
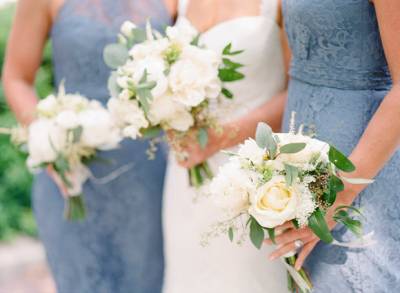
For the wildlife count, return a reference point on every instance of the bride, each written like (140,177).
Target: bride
(255,27)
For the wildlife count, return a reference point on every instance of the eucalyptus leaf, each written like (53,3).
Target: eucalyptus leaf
(318,225)
(230,233)
(292,148)
(151,132)
(77,134)
(138,35)
(144,96)
(202,137)
(115,55)
(340,160)
(256,233)
(265,139)
(112,85)
(292,173)
(195,41)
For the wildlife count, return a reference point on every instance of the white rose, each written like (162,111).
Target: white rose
(47,107)
(154,48)
(73,102)
(313,148)
(67,119)
(231,189)
(99,130)
(251,151)
(128,113)
(44,142)
(194,76)
(181,121)
(182,33)
(274,203)
(127,28)
(164,109)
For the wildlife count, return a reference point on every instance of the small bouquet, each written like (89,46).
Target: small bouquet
(167,83)
(281,177)
(68,132)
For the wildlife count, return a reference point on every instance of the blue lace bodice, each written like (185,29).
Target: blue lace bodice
(336,43)
(81,31)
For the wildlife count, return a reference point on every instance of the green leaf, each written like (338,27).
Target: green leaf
(230,64)
(335,185)
(318,225)
(77,134)
(292,173)
(138,35)
(144,96)
(340,160)
(265,139)
(292,148)
(147,85)
(227,93)
(112,85)
(151,132)
(230,234)
(353,225)
(271,234)
(256,233)
(228,48)
(202,137)
(195,41)
(229,75)
(296,223)
(115,55)
(354,209)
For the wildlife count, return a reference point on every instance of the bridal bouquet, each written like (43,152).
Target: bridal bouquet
(281,177)
(167,82)
(67,133)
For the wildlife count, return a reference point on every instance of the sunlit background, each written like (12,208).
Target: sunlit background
(22,261)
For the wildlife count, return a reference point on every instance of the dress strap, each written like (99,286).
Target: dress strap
(182,7)
(269,8)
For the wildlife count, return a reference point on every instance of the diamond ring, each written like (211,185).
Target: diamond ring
(298,244)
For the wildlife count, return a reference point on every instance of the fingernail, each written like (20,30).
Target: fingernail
(272,257)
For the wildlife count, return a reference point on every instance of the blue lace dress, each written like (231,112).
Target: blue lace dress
(118,248)
(339,78)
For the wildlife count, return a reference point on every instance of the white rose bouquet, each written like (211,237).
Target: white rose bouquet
(67,133)
(281,177)
(167,82)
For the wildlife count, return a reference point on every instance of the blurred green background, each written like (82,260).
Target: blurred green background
(15,180)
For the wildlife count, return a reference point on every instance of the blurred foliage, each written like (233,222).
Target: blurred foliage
(15,180)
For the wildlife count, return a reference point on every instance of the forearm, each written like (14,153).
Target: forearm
(379,141)
(22,99)
(271,112)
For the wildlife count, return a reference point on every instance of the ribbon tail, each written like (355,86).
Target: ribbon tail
(303,286)
(112,176)
(363,242)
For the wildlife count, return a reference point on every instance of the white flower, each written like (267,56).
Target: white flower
(125,94)
(306,204)
(154,48)
(194,76)
(128,114)
(73,102)
(182,33)
(127,28)
(45,141)
(99,130)
(251,151)
(47,107)
(67,119)
(164,109)
(274,203)
(314,148)
(231,189)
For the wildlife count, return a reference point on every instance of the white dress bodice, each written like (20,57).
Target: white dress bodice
(224,266)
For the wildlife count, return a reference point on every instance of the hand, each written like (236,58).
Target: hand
(190,153)
(57,180)
(288,234)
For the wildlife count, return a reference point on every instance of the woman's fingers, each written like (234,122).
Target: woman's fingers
(304,253)
(289,247)
(291,236)
(57,180)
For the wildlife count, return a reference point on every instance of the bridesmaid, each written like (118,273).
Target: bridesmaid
(118,248)
(345,81)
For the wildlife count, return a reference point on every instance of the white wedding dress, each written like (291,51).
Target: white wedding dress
(223,266)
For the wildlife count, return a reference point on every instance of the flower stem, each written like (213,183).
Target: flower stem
(75,208)
(292,286)
(207,170)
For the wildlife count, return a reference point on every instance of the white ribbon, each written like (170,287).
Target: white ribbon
(362,242)
(113,175)
(303,286)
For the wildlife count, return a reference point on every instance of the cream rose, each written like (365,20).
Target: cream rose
(274,203)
